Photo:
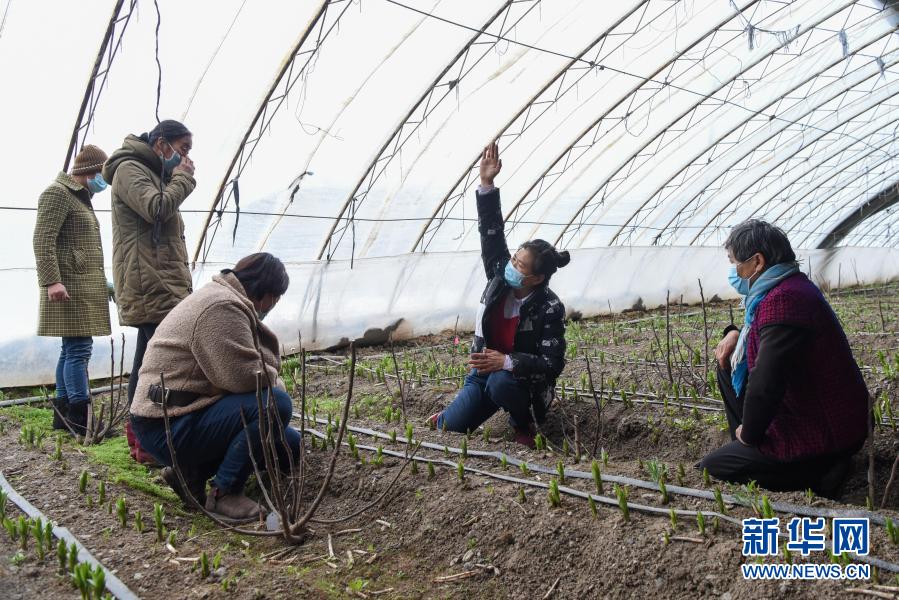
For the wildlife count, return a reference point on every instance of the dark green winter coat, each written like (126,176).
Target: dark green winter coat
(150,277)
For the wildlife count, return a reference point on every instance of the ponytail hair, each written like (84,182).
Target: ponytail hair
(547,260)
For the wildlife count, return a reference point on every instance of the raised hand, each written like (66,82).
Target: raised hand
(491,164)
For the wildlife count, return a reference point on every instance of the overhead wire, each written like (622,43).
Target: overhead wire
(602,66)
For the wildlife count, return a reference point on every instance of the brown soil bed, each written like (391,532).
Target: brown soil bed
(477,528)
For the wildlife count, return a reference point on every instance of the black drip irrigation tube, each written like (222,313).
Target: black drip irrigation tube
(34,399)
(653,510)
(782,507)
(113,583)
(539,484)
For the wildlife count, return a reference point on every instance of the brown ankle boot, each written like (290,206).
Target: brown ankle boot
(236,507)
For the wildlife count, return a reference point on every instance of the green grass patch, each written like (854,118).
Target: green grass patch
(114,454)
(39,418)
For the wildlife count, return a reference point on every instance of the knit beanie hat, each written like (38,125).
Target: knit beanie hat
(89,160)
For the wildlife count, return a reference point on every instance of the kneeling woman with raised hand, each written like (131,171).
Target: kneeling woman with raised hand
(210,348)
(519,344)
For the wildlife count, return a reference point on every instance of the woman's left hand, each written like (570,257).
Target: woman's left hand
(487,361)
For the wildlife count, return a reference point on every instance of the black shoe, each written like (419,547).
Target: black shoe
(196,486)
(60,413)
(77,417)
(831,483)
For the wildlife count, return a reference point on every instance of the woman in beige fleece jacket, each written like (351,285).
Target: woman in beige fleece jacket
(210,347)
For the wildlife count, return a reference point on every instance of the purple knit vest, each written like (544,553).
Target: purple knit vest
(825,406)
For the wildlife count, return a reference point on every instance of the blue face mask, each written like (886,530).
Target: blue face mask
(513,276)
(737,282)
(96,184)
(171,162)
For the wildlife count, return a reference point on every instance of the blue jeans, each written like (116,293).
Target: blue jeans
(71,369)
(482,396)
(213,440)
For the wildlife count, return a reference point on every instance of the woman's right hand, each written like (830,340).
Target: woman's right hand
(57,292)
(726,347)
(491,164)
(186,165)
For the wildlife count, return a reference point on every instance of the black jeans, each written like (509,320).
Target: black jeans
(738,463)
(144,334)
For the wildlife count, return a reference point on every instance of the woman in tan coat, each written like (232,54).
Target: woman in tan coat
(68,254)
(209,348)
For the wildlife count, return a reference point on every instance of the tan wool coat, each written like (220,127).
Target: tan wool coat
(211,344)
(68,250)
(150,279)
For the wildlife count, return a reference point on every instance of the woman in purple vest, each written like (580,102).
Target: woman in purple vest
(795,400)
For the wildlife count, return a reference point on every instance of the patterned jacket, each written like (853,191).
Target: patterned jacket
(68,250)
(539,350)
(150,279)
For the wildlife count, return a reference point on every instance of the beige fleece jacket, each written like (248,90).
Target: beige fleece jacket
(209,344)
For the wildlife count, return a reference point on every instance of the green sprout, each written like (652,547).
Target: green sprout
(464,447)
(62,555)
(673,516)
(700,521)
(504,462)
(82,482)
(121,511)
(592,504)
(204,565)
(621,493)
(460,470)
(159,521)
(24,532)
(767,511)
(57,452)
(73,556)
(524,468)
(521,497)
(719,500)
(554,497)
(597,476)
(560,469)
(892,531)
(101,492)
(431,473)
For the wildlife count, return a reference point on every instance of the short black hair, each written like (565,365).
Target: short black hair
(169,130)
(756,236)
(261,274)
(547,260)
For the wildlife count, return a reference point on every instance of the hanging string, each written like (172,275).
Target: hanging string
(158,64)
(236,192)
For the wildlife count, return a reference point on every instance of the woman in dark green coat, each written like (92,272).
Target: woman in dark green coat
(68,254)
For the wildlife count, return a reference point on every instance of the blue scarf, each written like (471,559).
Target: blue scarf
(767,281)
